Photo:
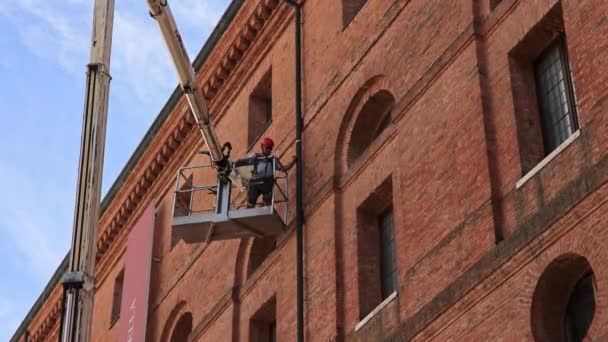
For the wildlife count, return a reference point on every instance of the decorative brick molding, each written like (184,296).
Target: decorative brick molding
(49,325)
(249,33)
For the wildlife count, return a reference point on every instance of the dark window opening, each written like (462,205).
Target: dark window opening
(260,250)
(542,88)
(117,297)
(581,308)
(350,8)
(384,123)
(563,304)
(372,120)
(182,329)
(494,3)
(377,276)
(263,323)
(388,266)
(555,96)
(260,109)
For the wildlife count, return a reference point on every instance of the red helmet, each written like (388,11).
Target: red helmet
(267,142)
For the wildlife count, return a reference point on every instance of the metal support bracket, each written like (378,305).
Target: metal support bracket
(77,280)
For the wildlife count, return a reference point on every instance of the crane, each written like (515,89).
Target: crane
(160,11)
(78,281)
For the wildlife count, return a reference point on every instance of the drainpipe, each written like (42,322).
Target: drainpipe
(299,170)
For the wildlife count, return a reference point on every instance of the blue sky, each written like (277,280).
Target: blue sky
(44,48)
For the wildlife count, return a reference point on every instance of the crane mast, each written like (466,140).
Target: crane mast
(78,281)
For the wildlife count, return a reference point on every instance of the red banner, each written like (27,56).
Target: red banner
(136,286)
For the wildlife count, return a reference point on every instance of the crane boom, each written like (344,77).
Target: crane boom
(160,11)
(78,282)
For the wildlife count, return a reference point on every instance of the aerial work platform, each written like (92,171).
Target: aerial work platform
(205,213)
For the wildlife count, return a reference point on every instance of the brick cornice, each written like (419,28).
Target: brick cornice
(232,55)
(50,322)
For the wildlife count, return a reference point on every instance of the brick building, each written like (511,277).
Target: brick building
(455,168)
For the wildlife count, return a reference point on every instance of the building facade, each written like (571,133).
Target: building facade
(455,167)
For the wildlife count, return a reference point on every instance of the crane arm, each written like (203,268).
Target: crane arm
(160,11)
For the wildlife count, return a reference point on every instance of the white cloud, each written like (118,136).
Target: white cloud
(48,30)
(141,70)
(196,13)
(140,62)
(37,204)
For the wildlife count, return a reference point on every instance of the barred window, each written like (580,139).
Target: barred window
(376,254)
(555,96)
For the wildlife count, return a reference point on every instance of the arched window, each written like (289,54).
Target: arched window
(182,329)
(580,310)
(563,304)
(373,118)
(260,250)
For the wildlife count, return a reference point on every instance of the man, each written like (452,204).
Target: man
(262,181)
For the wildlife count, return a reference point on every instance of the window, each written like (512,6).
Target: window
(581,307)
(555,96)
(543,93)
(563,304)
(117,297)
(183,328)
(350,8)
(494,3)
(372,120)
(377,276)
(260,109)
(387,251)
(263,324)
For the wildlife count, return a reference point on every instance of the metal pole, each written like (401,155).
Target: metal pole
(299,172)
(78,281)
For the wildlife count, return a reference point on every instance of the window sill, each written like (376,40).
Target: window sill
(374,312)
(547,159)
